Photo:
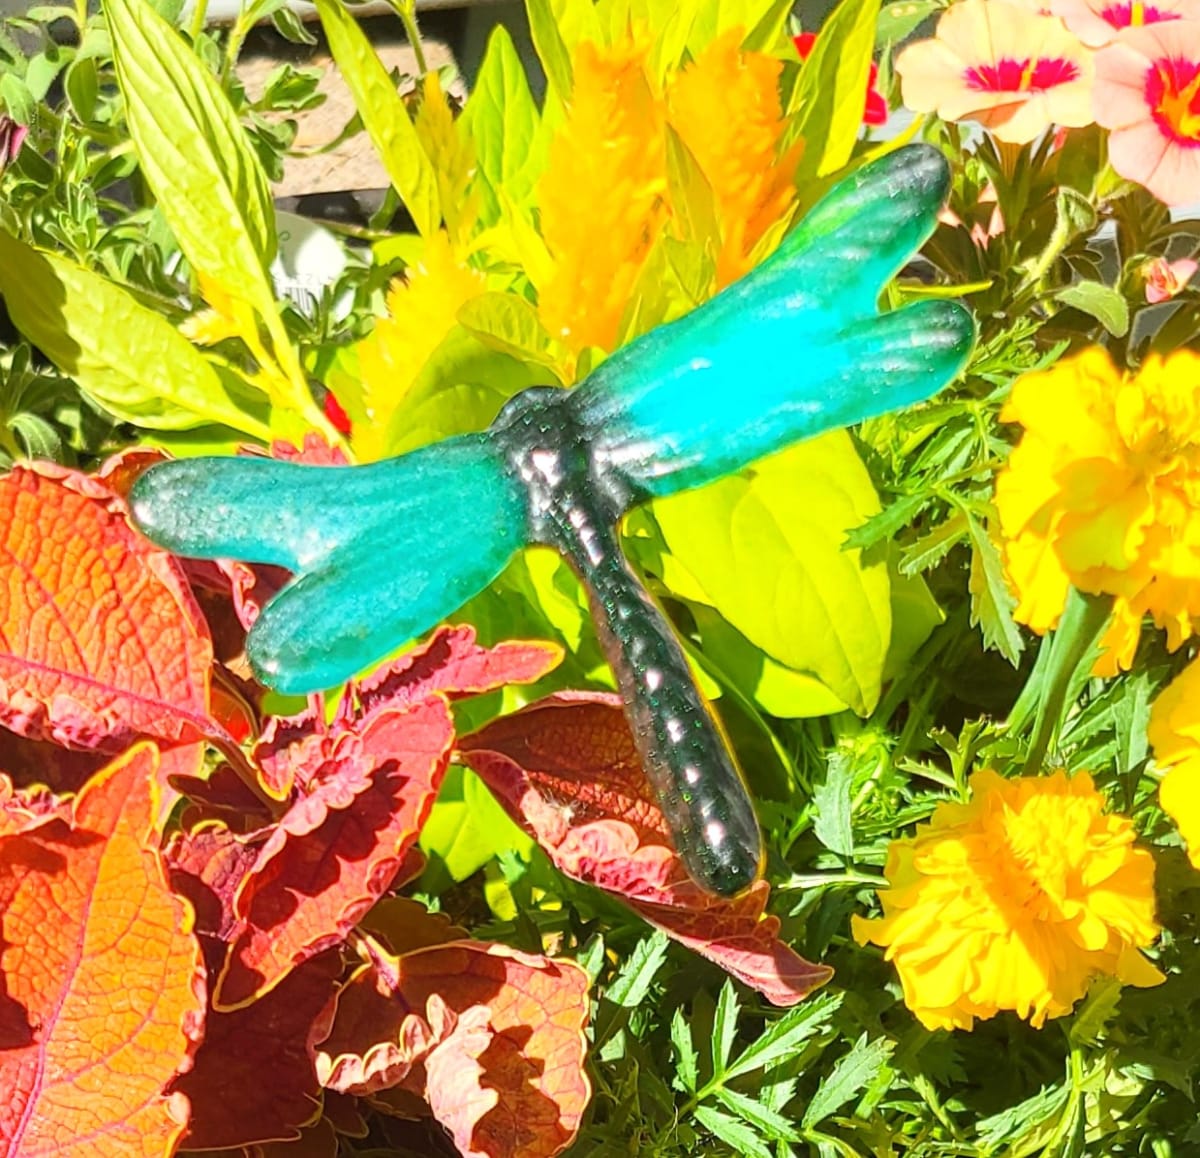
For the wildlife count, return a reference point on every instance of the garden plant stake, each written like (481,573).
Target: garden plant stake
(382,552)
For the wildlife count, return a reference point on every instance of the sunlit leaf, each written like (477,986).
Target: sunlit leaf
(101,980)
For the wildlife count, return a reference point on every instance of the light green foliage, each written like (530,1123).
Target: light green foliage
(125,356)
(383,115)
(765,546)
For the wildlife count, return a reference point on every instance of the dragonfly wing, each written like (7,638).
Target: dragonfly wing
(382,552)
(793,349)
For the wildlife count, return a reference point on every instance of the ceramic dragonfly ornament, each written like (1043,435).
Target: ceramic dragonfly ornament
(382,552)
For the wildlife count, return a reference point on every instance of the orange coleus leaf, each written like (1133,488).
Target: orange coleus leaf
(493,1039)
(567,769)
(101,980)
(101,640)
(232,1106)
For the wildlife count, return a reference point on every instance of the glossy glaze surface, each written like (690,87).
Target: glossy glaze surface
(383,552)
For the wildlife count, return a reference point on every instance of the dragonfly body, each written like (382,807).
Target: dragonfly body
(574,505)
(383,552)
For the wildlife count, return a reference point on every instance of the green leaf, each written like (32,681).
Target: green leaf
(724,1026)
(745,1141)
(765,545)
(1043,1107)
(991,601)
(126,357)
(852,1073)
(194,154)
(883,526)
(929,550)
(777,690)
(82,87)
(783,1038)
(686,1058)
(717,16)
(828,101)
(832,802)
(692,200)
(18,100)
(383,116)
(915,615)
(550,47)
(1098,301)
(901,17)
(467,827)
(630,986)
(508,323)
(767,1121)
(502,121)
(460,389)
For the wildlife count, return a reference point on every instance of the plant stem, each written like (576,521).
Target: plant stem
(1082,624)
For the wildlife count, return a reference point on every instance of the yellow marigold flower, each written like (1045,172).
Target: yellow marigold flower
(1175,736)
(422,309)
(1015,901)
(725,106)
(1103,493)
(602,196)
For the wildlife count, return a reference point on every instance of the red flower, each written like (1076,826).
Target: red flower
(338,418)
(876,110)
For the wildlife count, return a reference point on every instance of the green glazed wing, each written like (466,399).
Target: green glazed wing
(382,552)
(793,349)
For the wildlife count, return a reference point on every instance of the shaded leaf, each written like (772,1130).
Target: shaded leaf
(567,770)
(499,1034)
(100,638)
(1099,301)
(101,983)
(338,847)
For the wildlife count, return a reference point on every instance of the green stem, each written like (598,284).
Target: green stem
(407,11)
(199,15)
(1074,642)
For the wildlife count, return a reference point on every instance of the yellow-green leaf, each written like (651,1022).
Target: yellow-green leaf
(383,115)
(508,323)
(827,103)
(194,154)
(502,121)
(766,547)
(125,356)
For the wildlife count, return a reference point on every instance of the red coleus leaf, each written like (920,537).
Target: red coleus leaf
(492,1038)
(338,847)
(451,662)
(357,793)
(232,1106)
(567,769)
(101,640)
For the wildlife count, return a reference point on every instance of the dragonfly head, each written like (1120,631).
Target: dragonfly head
(548,449)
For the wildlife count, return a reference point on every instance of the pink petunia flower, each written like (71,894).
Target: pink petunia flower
(1166,279)
(1148,94)
(1013,70)
(1097,22)
(876,110)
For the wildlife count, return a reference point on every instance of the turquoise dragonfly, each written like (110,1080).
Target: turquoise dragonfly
(382,552)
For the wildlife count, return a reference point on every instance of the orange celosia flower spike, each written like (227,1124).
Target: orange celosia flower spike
(602,197)
(726,107)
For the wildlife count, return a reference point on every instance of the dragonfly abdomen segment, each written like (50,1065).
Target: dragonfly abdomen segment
(574,507)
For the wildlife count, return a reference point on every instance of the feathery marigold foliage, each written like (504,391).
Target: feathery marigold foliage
(1015,900)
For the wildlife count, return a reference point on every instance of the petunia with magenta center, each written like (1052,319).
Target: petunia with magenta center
(1173,92)
(1135,14)
(1018,76)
